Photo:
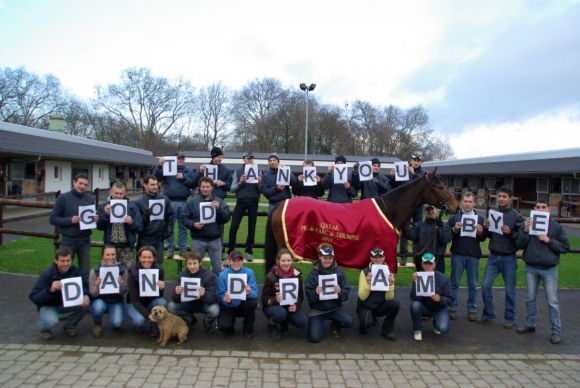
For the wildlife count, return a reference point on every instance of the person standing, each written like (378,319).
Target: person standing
(275,193)
(65,215)
(154,230)
(223,182)
(465,255)
(300,190)
(542,256)
(247,201)
(379,185)
(178,189)
(502,260)
(338,192)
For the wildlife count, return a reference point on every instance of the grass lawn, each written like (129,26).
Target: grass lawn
(32,255)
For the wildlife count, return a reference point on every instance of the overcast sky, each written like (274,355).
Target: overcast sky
(495,76)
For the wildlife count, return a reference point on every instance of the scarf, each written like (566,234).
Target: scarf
(280,274)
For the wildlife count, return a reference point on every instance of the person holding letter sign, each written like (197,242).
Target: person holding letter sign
(157,215)
(206,222)
(201,295)
(247,190)
(467,235)
(309,183)
(121,235)
(282,296)
(236,297)
(502,258)
(222,180)
(542,256)
(177,187)
(65,214)
(436,285)
(49,294)
(139,307)
(378,183)
(373,303)
(326,290)
(276,193)
(108,287)
(339,192)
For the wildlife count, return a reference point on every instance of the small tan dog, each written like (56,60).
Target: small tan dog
(170,325)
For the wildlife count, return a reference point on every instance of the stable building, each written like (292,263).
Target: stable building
(36,161)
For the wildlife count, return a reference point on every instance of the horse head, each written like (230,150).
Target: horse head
(438,195)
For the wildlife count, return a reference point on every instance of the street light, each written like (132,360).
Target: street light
(306,89)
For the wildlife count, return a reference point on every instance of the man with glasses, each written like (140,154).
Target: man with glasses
(542,256)
(247,201)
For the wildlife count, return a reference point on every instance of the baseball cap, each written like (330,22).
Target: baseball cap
(326,251)
(247,154)
(416,157)
(377,252)
(236,255)
(428,257)
(181,154)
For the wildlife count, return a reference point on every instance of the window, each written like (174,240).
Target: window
(473,183)
(17,170)
(100,173)
(490,183)
(542,185)
(570,186)
(458,182)
(57,173)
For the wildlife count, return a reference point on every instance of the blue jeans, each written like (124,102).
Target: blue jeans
(507,266)
(440,316)
(178,210)
(280,314)
(48,316)
(338,317)
(214,249)
(116,312)
(550,278)
(470,265)
(184,309)
(138,319)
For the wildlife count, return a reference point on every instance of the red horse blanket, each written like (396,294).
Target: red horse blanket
(353,229)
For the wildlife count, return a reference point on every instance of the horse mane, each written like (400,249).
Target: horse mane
(404,199)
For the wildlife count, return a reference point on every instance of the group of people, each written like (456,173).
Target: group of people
(145,228)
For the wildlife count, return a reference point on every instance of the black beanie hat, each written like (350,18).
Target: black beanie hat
(216,151)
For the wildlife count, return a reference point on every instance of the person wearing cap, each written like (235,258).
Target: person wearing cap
(338,192)
(247,202)
(222,184)
(465,255)
(415,172)
(300,190)
(178,189)
(430,235)
(373,304)
(275,193)
(326,309)
(280,317)
(431,306)
(230,309)
(379,185)
(207,236)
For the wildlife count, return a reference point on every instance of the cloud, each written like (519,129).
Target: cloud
(556,130)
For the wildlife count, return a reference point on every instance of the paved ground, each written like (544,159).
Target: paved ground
(472,353)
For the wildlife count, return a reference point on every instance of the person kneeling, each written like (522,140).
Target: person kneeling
(47,296)
(281,316)
(206,303)
(434,305)
(231,305)
(373,304)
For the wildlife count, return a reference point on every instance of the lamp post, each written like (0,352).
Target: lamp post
(306,89)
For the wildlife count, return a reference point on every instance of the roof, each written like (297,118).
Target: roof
(22,140)
(565,161)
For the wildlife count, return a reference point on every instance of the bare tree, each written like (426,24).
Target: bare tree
(28,99)
(151,106)
(213,113)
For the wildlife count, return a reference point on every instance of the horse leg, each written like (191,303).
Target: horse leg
(270,246)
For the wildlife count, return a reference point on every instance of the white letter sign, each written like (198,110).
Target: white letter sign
(468,225)
(401,171)
(340,174)
(170,166)
(327,282)
(157,208)
(211,171)
(380,278)
(118,211)
(237,285)
(540,222)
(148,282)
(283,176)
(72,292)
(495,221)
(288,291)
(365,171)
(425,284)
(109,280)
(309,176)
(251,173)
(207,213)
(87,213)
(190,288)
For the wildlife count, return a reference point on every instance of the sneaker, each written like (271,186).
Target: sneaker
(249,258)
(418,335)
(170,253)
(556,339)
(70,331)
(525,329)
(97,331)
(453,315)
(335,330)
(472,316)
(46,335)
(436,331)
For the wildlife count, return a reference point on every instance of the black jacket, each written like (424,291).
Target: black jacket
(271,287)
(156,229)
(379,185)
(539,254)
(209,231)
(67,206)
(224,175)
(40,294)
(245,190)
(336,191)
(430,235)
(208,280)
(269,186)
(312,282)
(442,288)
(465,246)
(505,244)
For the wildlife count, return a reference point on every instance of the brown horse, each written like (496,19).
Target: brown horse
(397,206)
